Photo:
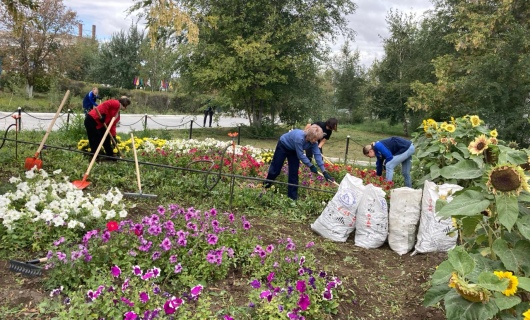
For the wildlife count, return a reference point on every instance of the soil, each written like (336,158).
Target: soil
(377,283)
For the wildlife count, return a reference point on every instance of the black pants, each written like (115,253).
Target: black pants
(309,153)
(95,136)
(206,114)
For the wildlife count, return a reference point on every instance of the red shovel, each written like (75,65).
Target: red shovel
(31,162)
(81,184)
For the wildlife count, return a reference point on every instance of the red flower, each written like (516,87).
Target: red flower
(112,226)
(138,232)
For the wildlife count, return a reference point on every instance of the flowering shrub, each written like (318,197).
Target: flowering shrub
(43,209)
(489,275)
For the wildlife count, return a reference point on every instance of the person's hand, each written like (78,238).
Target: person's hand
(313,169)
(328,177)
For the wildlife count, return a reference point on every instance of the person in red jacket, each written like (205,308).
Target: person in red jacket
(103,114)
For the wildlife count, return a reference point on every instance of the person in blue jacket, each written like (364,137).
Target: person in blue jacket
(291,146)
(89,101)
(392,151)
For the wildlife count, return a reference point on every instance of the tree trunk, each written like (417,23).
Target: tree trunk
(29,90)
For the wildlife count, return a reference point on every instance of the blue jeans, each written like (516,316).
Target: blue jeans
(406,164)
(293,163)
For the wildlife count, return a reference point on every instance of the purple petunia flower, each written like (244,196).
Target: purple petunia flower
(161,210)
(130,315)
(327,295)
(246,225)
(178,268)
(58,242)
(266,294)
(166,244)
(270,248)
(90,295)
(148,275)
(105,237)
(300,286)
(155,255)
(173,259)
(195,291)
(144,297)
(61,256)
(301,271)
(212,239)
(115,271)
(137,271)
(255,284)
(322,274)
(172,305)
(304,301)
(227,317)
(280,308)
(127,302)
(125,285)
(309,244)
(251,304)
(302,260)
(231,217)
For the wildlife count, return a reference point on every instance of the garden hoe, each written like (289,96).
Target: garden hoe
(31,162)
(111,137)
(81,184)
(140,194)
(29,268)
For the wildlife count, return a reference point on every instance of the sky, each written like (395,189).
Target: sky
(368,21)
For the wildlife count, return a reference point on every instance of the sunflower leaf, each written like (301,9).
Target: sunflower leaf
(468,203)
(507,209)
(491,282)
(524,283)
(467,169)
(522,247)
(523,224)
(507,256)
(509,155)
(503,302)
(459,308)
(461,261)
(435,293)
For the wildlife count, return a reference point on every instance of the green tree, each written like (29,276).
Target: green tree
(258,53)
(80,59)
(488,73)
(158,62)
(35,47)
(119,59)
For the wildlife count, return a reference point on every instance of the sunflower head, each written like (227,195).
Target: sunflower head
(513,282)
(493,133)
(507,179)
(450,128)
(470,292)
(475,121)
(513,145)
(478,145)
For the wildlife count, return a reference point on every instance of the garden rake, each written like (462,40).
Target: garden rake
(111,137)
(31,162)
(139,194)
(29,268)
(81,184)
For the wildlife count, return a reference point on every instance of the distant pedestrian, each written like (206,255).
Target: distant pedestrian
(94,123)
(291,146)
(89,101)
(392,151)
(208,112)
(327,127)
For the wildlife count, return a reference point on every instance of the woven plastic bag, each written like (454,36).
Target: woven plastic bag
(403,218)
(337,220)
(433,230)
(372,218)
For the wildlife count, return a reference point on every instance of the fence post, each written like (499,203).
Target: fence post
(145,121)
(191,127)
(239,134)
(347,146)
(19,119)
(68,119)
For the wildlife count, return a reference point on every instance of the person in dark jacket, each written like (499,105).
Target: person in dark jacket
(94,123)
(208,112)
(327,127)
(392,151)
(291,146)
(89,101)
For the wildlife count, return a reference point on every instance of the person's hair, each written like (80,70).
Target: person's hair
(332,123)
(367,148)
(313,132)
(124,101)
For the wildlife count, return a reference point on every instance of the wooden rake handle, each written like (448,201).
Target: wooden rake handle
(136,164)
(99,148)
(111,137)
(334,182)
(50,127)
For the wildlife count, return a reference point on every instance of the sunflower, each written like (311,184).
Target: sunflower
(512,283)
(527,315)
(443,125)
(475,121)
(444,140)
(450,128)
(508,179)
(470,292)
(478,145)
(494,133)
(493,140)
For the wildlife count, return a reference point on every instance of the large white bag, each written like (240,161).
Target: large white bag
(403,218)
(433,229)
(372,218)
(337,220)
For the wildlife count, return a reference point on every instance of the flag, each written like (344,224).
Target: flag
(135,79)
(141,82)
(148,83)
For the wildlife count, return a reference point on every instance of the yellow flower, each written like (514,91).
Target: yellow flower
(475,120)
(494,133)
(469,291)
(512,284)
(443,125)
(478,145)
(527,315)
(450,128)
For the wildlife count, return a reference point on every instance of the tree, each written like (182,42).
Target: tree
(34,48)
(119,59)
(349,83)
(80,59)
(256,53)
(488,73)
(158,61)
